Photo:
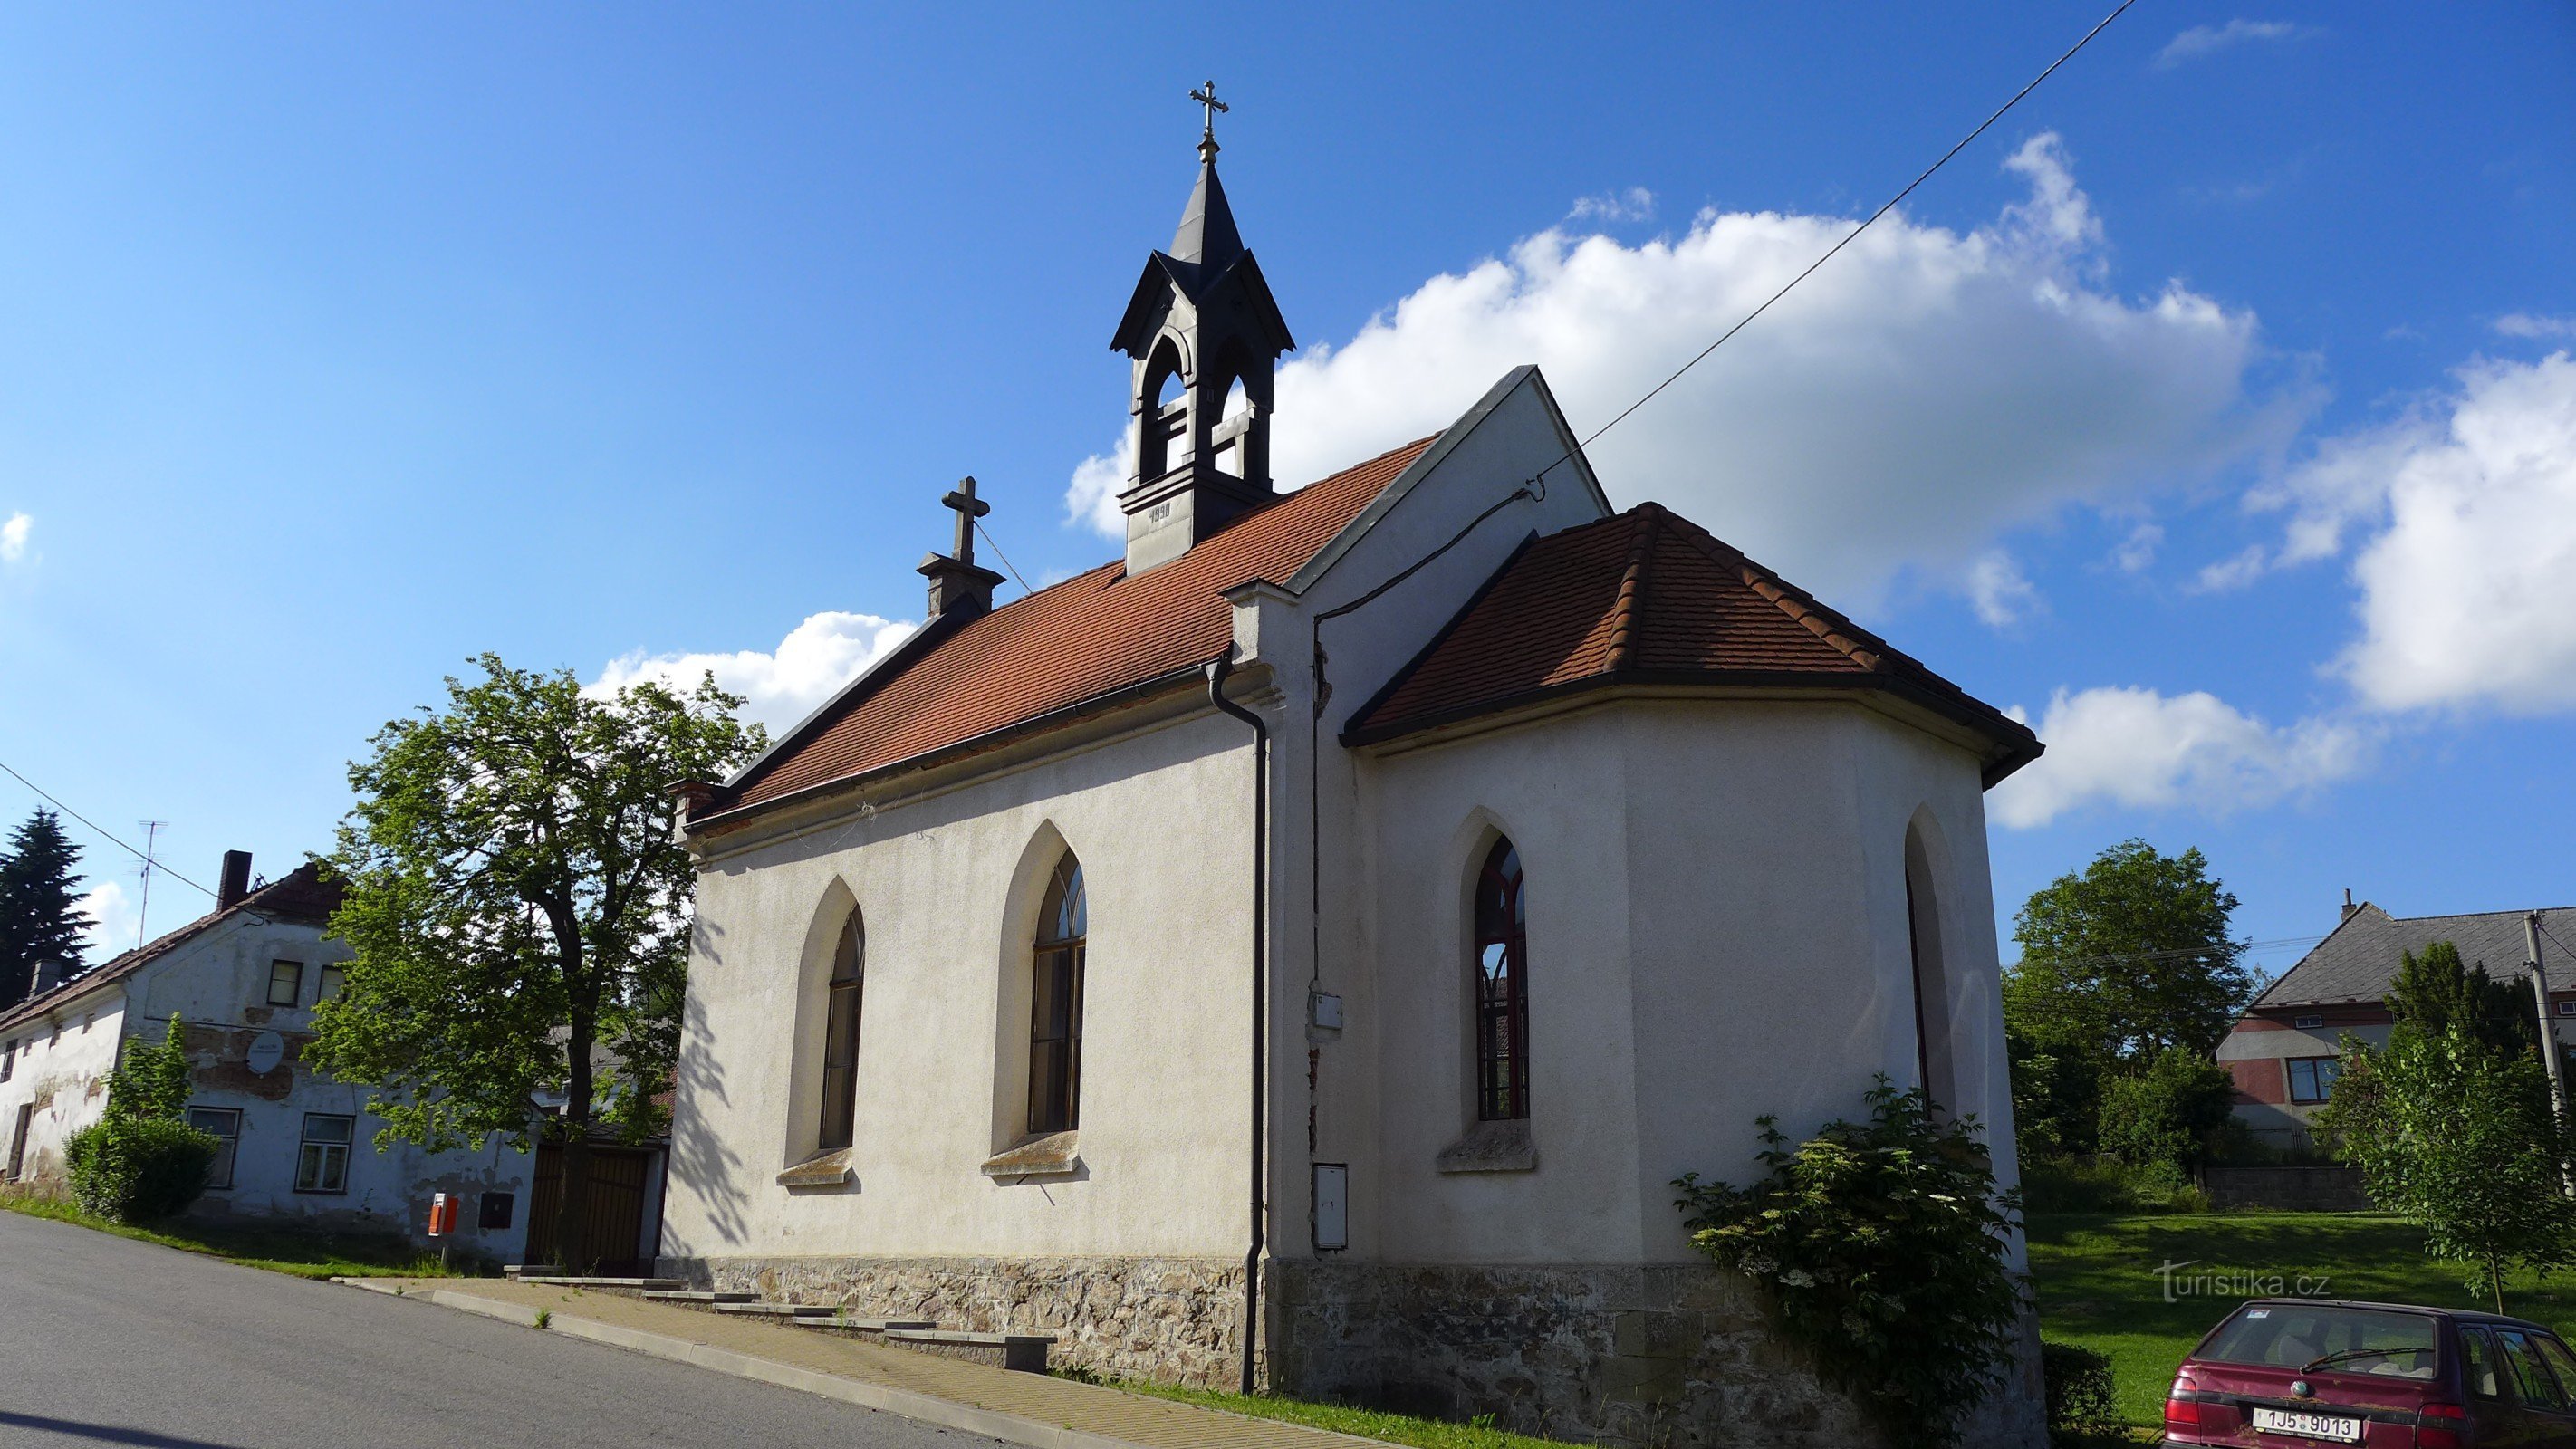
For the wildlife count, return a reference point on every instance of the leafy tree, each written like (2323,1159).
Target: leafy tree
(141,1160)
(518,905)
(2460,1137)
(2127,959)
(2057,1098)
(1879,1245)
(40,919)
(2168,1113)
(2434,990)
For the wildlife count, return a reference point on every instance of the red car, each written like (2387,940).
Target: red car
(2287,1372)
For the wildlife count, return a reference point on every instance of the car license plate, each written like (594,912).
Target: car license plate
(2313,1426)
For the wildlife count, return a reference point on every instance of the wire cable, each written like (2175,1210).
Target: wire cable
(1890,205)
(1005,558)
(102,832)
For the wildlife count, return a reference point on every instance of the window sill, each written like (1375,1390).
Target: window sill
(1490,1147)
(829,1169)
(1052,1155)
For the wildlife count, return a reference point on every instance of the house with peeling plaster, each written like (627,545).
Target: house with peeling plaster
(1303,950)
(243,980)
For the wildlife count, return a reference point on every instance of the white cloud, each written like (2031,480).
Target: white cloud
(1634,204)
(2145,750)
(1999,590)
(781,687)
(2468,588)
(2525,324)
(2233,572)
(13,537)
(2137,552)
(2203,40)
(112,920)
(1923,391)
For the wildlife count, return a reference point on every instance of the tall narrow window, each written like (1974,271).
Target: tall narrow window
(285,982)
(224,1125)
(1055,1004)
(1502,989)
(841,1037)
(1930,980)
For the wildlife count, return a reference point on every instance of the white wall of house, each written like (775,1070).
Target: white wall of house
(245,1051)
(58,1065)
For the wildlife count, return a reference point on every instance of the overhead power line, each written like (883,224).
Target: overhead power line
(102,832)
(1890,205)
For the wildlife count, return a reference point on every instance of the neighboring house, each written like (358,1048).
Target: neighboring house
(244,979)
(1593,842)
(2283,1051)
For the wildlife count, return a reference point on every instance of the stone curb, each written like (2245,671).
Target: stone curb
(943,1412)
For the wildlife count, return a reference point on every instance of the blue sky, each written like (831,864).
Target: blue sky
(2206,408)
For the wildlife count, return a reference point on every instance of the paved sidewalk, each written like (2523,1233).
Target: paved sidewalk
(1024,1408)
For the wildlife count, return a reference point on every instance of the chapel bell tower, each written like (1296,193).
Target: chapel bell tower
(1200,325)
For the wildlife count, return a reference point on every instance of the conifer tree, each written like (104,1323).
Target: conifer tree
(40,917)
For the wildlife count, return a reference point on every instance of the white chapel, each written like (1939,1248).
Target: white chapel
(1305,949)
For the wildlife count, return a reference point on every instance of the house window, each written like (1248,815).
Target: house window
(2312,1079)
(841,1037)
(1502,989)
(285,982)
(323,1165)
(327,983)
(496,1211)
(1055,1003)
(18,1139)
(224,1125)
(2567,1008)
(8,1059)
(2307,1023)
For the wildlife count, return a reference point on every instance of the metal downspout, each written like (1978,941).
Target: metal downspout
(1217,670)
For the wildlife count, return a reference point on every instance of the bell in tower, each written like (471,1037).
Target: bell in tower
(1201,326)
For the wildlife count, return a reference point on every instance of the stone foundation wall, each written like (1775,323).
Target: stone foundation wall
(1176,1320)
(1654,1355)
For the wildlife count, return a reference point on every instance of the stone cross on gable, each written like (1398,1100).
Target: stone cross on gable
(1206,96)
(969,508)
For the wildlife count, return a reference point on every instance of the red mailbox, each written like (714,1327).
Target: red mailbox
(442,1215)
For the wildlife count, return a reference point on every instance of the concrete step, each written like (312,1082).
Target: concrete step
(778,1310)
(696,1297)
(1025,1352)
(627,1285)
(869,1327)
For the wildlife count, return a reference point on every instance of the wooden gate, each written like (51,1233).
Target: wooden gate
(612,1217)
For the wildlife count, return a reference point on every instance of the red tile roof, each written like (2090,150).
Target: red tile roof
(1091,636)
(301,896)
(1649,597)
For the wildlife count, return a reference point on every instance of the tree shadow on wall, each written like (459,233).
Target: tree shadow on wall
(701,1161)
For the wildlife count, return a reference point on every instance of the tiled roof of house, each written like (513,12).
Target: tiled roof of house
(1092,636)
(1648,597)
(2359,960)
(301,896)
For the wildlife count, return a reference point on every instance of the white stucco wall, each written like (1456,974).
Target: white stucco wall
(60,1069)
(949,887)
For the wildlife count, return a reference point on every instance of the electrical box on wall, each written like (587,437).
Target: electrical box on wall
(1332,1206)
(1325,1010)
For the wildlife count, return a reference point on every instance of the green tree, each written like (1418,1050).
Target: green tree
(517,904)
(2460,1137)
(1879,1246)
(2119,962)
(2435,989)
(2167,1113)
(40,918)
(141,1160)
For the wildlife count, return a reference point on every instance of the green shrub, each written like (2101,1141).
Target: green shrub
(1878,1246)
(2168,1113)
(2080,1400)
(138,1169)
(2101,1185)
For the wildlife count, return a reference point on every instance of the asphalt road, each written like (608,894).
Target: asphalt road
(107,1341)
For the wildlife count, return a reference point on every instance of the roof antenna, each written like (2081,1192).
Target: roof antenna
(151,832)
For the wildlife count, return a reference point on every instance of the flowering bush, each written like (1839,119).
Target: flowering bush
(1878,1246)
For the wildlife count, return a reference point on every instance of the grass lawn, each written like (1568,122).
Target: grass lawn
(1342,1419)
(2099,1288)
(304,1252)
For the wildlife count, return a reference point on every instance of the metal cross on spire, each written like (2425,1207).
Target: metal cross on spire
(969,508)
(1206,96)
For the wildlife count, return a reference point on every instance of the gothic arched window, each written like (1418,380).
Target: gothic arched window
(1055,1003)
(841,1037)
(1502,989)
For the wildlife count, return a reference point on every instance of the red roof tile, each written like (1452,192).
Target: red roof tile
(1090,636)
(1650,597)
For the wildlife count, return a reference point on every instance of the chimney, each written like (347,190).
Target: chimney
(2348,906)
(234,883)
(50,974)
